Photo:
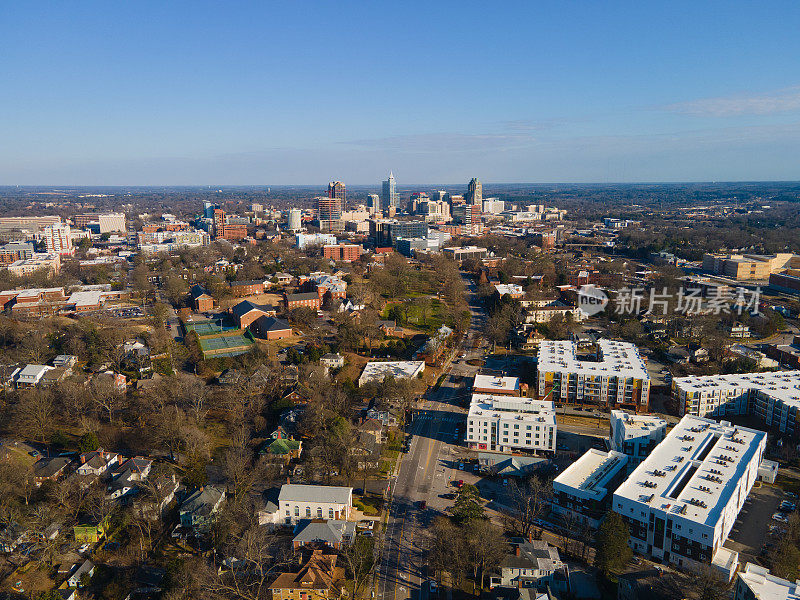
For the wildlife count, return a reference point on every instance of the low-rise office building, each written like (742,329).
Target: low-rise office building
(510,424)
(496,385)
(582,493)
(772,397)
(615,377)
(635,435)
(681,502)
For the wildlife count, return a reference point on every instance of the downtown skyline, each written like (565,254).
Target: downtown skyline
(238,95)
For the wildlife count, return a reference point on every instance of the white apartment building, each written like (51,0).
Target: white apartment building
(756,583)
(615,377)
(510,424)
(304,240)
(772,397)
(300,501)
(635,435)
(58,240)
(681,502)
(583,491)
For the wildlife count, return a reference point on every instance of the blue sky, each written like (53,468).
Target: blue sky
(160,93)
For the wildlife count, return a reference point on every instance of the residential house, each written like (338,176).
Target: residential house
(90,531)
(654,584)
(198,510)
(11,536)
(50,469)
(96,462)
(334,533)
(319,579)
(283,450)
(532,564)
(126,475)
(332,361)
(65,361)
(29,376)
(87,568)
(372,428)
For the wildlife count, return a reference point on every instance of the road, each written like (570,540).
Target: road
(424,474)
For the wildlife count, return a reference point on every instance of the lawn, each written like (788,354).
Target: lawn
(435,318)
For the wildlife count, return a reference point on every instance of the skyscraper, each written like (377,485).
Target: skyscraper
(336,189)
(329,214)
(474,193)
(294,221)
(58,240)
(374,203)
(389,196)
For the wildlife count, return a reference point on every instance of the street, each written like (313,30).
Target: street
(424,474)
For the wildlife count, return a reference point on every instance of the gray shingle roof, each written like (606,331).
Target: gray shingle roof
(296,492)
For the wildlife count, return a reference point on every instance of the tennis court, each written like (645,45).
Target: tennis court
(224,344)
(202,328)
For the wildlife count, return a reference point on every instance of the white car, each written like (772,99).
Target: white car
(780,517)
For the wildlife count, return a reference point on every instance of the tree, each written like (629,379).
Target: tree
(529,500)
(35,414)
(88,442)
(613,551)
(486,547)
(360,560)
(785,560)
(468,506)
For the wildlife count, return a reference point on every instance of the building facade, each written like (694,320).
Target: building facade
(635,435)
(682,501)
(615,377)
(510,424)
(389,197)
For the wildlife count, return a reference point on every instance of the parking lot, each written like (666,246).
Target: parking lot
(755,530)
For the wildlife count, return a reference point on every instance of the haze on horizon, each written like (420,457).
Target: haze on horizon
(300,93)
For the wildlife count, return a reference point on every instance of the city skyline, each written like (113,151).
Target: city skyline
(569,94)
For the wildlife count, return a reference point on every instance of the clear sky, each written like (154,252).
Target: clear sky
(301,92)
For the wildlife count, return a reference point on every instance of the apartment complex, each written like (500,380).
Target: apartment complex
(510,424)
(772,397)
(615,376)
(635,435)
(14,251)
(582,493)
(342,252)
(58,240)
(756,583)
(744,267)
(681,502)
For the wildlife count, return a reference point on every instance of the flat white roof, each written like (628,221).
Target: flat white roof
(496,383)
(781,385)
(769,587)
(525,409)
(376,371)
(638,425)
(590,474)
(618,359)
(86,298)
(695,470)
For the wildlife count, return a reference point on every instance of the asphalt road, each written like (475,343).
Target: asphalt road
(424,475)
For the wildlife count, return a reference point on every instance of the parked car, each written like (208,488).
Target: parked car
(791,495)
(33,453)
(459,483)
(788,506)
(461,466)
(780,517)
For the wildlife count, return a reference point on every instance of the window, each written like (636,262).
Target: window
(296,511)
(319,512)
(308,511)
(330,513)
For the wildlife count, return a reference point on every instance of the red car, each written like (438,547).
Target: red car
(459,484)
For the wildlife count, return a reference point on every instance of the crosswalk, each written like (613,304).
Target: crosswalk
(449,418)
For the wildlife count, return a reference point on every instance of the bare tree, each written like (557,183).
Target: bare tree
(529,500)
(35,414)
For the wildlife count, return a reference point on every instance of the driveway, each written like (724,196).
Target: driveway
(751,529)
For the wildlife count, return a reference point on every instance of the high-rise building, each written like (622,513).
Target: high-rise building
(389,197)
(474,192)
(102,223)
(415,202)
(336,189)
(468,216)
(228,229)
(208,209)
(294,220)
(329,214)
(58,240)
(374,203)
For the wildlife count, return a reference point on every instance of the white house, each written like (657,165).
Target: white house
(96,462)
